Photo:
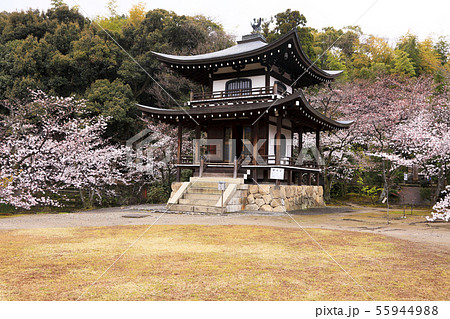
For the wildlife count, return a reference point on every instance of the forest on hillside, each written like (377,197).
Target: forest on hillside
(69,84)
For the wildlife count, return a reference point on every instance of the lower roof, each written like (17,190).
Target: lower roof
(294,107)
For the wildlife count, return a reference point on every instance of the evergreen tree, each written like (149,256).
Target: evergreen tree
(403,64)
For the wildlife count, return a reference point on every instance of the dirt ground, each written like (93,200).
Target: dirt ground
(360,219)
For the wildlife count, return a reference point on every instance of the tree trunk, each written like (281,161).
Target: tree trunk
(440,185)
(91,198)
(386,189)
(83,200)
(327,181)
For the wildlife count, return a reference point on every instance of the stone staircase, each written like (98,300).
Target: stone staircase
(201,195)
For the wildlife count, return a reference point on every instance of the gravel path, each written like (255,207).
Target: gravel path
(333,218)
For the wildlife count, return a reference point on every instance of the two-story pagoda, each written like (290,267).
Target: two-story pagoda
(252,106)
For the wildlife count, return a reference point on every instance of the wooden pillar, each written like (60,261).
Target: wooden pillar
(267,79)
(318,139)
(210,83)
(200,171)
(278,141)
(300,142)
(197,144)
(179,147)
(235,167)
(290,177)
(300,178)
(317,179)
(255,133)
(309,178)
(318,154)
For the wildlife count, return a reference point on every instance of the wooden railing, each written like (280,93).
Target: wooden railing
(290,161)
(268,160)
(253,92)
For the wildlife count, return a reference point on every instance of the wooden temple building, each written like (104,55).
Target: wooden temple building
(251,106)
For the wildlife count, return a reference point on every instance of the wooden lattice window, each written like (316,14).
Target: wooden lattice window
(238,87)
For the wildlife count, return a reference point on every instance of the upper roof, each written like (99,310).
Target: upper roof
(286,53)
(242,47)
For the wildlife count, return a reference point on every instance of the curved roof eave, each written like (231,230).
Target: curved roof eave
(295,97)
(245,50)
(317,114)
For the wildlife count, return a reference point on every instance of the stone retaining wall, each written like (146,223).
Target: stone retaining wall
(271,198)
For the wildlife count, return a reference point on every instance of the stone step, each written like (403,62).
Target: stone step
(208,209)
(217,179)
(196,209)
(203,190)
(215,197)
(218,174)
(197,202)
(205,184)
(181,208)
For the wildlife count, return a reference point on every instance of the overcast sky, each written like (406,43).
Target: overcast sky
(385,18)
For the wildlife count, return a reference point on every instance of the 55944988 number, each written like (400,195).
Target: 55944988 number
(412,310)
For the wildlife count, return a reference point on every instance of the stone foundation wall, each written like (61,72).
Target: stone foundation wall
(271,198)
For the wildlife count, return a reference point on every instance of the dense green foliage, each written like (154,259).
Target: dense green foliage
(63,53)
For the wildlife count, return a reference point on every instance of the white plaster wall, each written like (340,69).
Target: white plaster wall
(272,136)
(288,88)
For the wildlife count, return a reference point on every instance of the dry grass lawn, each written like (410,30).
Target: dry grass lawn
(216,263)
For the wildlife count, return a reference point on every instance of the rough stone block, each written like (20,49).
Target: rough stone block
(275,192)
(257,195)
(252,207)
(264,189)
(279,209)
(289,204)
(283,192)
(253,189)
(276,202)
(250,199)
(260,202)
(289,191)
(266,208)
(267,198)
(302,191)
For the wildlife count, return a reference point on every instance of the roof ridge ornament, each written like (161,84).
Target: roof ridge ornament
(256,25)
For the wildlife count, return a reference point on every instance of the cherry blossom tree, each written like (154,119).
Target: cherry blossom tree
(424,137)
(385,114)
(442,208)
(153,154)
(50,144)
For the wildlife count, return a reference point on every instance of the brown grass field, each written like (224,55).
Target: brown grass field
(198,262)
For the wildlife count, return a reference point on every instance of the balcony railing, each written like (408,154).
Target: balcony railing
(239,93)
(266,160)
